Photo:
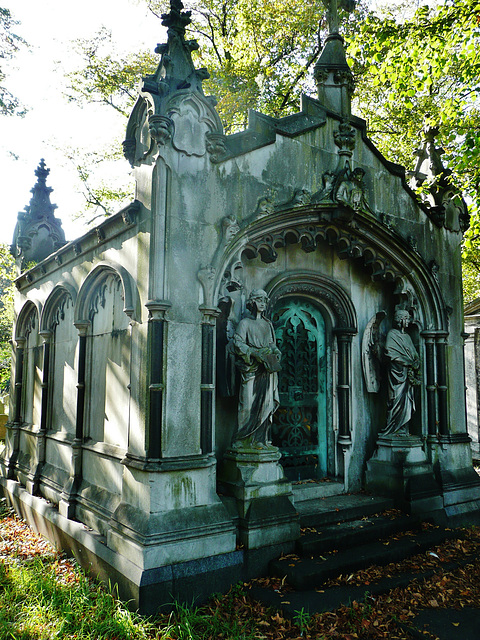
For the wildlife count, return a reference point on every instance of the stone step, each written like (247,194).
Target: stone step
(340,508)
(343,535)
(311,573)
(316,489)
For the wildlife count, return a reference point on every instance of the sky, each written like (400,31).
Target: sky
(36,77)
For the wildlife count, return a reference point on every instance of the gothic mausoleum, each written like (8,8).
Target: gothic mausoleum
(276,308)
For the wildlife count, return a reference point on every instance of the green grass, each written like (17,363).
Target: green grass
(35,605)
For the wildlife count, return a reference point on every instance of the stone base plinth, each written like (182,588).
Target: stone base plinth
(263,496)
(399,469)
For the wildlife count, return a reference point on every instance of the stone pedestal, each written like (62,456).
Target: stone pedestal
(399,469)
(263,496)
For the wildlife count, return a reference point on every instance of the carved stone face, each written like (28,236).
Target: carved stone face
(258,300)
(402,319)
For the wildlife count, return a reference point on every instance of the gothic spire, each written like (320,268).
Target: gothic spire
(38,232)
(332,74)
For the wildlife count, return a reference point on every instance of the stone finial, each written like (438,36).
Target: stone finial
(332,74)
(179,113)
(38,232)
(446,205)
(176,70)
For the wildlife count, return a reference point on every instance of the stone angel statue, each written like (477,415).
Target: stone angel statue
(258,360)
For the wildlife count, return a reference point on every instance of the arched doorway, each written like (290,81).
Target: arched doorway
(300,423)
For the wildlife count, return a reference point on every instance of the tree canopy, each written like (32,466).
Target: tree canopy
(9,45)
(410,72)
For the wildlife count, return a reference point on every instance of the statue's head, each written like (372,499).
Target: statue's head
(401,318)
(258,299)
(358,174)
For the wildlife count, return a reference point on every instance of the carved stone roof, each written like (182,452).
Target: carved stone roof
(38,232)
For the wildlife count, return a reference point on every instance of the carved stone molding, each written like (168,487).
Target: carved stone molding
(161,129)
(216,146)
(320,288)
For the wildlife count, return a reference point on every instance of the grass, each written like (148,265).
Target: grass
(44,596)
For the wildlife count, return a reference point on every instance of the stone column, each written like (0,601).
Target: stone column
(431,386)
(33,480)
(155,348)
(13,433)
(67,502)
(344,340)
(441,346)
(207,398)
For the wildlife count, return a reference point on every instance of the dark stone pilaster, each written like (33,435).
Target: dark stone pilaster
(13,441)
(46,336)
(17,416)
(33,481)
(441,346)
(344,340)
(155,349)
(207,392)
(430,383)
(82,354)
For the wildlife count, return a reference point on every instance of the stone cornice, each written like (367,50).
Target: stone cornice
(86,245)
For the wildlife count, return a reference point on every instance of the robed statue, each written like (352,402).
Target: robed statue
(403,375)
(258,360)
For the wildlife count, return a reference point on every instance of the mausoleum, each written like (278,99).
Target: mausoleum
(275,307)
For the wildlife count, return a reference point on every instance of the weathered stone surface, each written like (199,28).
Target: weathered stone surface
(126,397)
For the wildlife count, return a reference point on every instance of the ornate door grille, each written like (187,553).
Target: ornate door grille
(299,424)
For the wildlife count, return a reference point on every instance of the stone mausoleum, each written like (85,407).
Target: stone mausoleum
(276,306)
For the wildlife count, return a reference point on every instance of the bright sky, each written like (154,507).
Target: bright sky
(35,76)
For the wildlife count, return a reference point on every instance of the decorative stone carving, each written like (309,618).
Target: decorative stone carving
(403,375)
(350,190)
(193,121)
(38,232)
(300,198)
(372,351)
(230,228)
(129,148)
(173,98)
(206,276)
(265,205)
(434,268)
(345,77)
(344,137)
(216,146)
(161,129)
(258,360)
(445,204)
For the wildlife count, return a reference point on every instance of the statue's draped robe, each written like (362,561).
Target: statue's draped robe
(258,397)
(401,355)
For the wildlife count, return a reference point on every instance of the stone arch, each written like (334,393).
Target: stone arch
(318,288)
(131,298)
(335,305)
(385,257)
(50,309)
(30,311)
(28,365)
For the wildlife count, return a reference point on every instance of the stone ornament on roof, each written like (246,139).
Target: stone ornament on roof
(38,232)
(446,206)
(172,107)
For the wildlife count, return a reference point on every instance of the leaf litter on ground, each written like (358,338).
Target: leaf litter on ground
(236,615)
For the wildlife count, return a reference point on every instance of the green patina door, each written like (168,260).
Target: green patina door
(300,423)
